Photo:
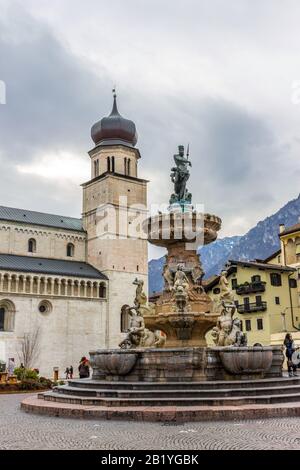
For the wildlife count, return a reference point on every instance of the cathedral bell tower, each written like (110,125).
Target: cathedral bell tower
(114,201)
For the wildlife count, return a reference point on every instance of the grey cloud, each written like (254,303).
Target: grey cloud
(53,98)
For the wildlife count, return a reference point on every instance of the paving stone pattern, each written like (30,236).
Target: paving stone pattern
(20,430)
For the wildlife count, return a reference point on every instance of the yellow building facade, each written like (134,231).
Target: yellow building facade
(266,295)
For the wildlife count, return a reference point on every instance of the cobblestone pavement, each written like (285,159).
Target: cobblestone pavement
(20,430)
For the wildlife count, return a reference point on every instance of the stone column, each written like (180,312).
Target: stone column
(51,286)
(9,283)
(79,289)
(23,284)
(38,285)
(31,285)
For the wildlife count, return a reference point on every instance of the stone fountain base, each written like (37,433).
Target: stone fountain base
(191,364)
(182,384)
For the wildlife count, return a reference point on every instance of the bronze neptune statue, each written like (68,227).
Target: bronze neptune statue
(179,176)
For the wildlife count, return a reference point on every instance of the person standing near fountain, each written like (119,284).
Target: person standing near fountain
(83,369)
(290,349)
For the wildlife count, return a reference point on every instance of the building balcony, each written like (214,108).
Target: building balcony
(252,307)
(251,288)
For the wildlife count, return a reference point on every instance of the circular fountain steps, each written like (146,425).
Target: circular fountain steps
(179,401)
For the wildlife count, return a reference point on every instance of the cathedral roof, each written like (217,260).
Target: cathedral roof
(40,218)
(114,129)
(49,266)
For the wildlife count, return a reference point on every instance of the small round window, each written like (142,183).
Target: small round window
(45,307)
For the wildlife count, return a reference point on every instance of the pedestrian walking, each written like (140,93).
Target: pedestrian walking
(290,349)
(71,370)
(84,370)
(11,366)
(67,372)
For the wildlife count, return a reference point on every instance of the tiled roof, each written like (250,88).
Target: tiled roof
(293,228)
(40,218)
(273,255)
(49,266)
(255,264)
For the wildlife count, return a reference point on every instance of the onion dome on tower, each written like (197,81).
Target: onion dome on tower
(114,129)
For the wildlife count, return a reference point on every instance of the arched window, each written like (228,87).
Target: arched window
(96,168)
(125,166)
(2,318)
(108,163)
(125,318)
(32,245)
(70,249)
(113,164)
(128,169)
(7,315)
(102,290)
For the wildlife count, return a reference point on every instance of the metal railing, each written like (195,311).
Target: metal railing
(252,307)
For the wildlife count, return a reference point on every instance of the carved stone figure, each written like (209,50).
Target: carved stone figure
(179,176)
(197,274)
(152,339)
(228,332)
(137,334)
(226,294)
(168,277)
(181,281)
(135,330)
(140,296)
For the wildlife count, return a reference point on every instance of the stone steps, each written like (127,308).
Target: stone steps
(170,401)
(165,414)
(173,393)
(203,385)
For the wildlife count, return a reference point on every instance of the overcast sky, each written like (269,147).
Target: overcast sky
(218,74)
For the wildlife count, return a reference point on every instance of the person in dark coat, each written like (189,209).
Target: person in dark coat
(71,372)
(290,349)
(84,370)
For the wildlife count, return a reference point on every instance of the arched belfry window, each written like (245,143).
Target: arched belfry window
(32,245)
(70,249)
(108,164)
(113,164)
(128,169)
(96,168)
(125,166)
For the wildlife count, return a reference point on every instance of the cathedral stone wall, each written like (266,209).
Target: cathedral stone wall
(50,242)
(66,332)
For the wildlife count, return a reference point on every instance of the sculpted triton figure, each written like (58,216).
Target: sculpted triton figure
(226,294)
(140,296)
(135,330)
(137,334)
(179,176)
(168,278)
(227,332)
(181,281)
